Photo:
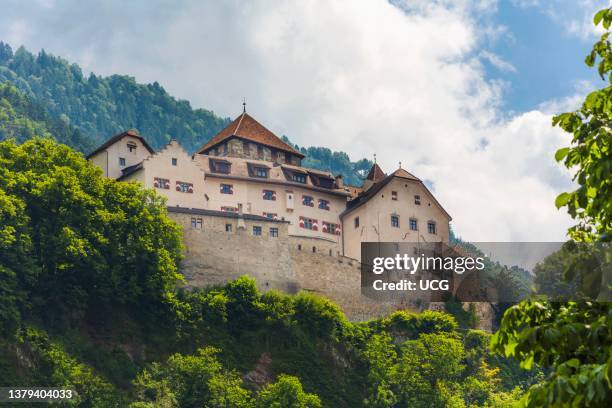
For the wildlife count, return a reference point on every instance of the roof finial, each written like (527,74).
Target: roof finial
(374,158)
(243,105)
(400,164)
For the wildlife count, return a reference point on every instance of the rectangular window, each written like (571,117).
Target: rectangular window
(274,155)
(260,152)
(226,189)
(174,161)
(323,204)
(394,195)
(161,183)
(225,148)
(131,147)
(245,148)
(431,227)
(271,216)
(331,228)
(228,227)
(307,201)
(414,226)
(273,232)
(356,222)
(287,158)
(269,195)
(309,223)
(196,223)
(184,187)
(417,199)
(395,221)
(122,161)
(261,172)
(299,178)
(256,230)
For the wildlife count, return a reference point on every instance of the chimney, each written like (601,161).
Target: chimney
(339,182)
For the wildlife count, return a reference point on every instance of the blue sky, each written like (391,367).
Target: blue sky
(548,57)
(462,92)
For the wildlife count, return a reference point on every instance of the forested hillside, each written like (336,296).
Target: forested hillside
(22,119)
(100,107)
(103,106)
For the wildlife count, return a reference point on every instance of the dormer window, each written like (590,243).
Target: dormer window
(122,161)
(220,166)
(261,172)
(131,147)
(299,178)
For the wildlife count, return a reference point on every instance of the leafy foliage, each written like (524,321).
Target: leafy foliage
(591,150)
(574,340)
(78,243)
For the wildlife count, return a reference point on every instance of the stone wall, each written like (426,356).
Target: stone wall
(214,256)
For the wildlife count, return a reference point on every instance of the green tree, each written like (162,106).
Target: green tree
(93,244)
(191,381)
(574,340)
(286,392)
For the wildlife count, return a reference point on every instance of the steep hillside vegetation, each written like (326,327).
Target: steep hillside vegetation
(22,119)
(103,106)
(89,301)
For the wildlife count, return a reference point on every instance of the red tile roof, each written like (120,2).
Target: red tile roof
(245,127)
(376,174)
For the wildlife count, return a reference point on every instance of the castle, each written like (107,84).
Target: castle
(247,206)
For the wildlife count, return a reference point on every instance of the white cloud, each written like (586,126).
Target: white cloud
(497,61)
(358,76)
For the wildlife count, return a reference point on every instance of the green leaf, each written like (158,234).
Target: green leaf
(561,153)
(599,16)
(562,199)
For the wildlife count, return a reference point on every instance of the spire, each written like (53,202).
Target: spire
(400,164)
(374,158)
(243,105)
(376,174)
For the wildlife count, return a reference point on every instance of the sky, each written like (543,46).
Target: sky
(460,92)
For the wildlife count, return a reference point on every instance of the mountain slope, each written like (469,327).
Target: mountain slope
(22,119)
(103,106)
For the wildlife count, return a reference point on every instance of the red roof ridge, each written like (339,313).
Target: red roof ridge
(248,128)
